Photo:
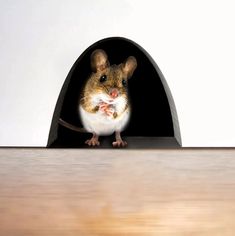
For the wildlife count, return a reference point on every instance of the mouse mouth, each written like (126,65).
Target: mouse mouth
(105,98)
(112,100)
(108,101)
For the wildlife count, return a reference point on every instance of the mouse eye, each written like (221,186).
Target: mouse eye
(124,83)
(103,78)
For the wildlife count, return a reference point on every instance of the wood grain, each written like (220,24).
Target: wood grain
(55,192)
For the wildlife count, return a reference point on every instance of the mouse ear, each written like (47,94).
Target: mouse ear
(129,66)
(99,60)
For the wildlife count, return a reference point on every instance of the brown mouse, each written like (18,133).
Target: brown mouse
(104,105)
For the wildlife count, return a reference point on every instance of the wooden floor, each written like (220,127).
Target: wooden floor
(68,192)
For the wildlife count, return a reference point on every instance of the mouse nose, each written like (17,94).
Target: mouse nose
(114,93)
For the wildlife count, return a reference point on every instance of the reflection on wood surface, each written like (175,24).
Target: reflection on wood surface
(116,192)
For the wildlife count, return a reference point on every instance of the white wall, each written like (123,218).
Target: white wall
(191,41)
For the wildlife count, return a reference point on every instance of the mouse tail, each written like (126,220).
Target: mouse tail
(72,127)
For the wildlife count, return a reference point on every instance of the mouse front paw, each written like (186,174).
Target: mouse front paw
(107,109)
(110,112)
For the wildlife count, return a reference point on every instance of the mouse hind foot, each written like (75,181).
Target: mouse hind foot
(119,142)
(94,141)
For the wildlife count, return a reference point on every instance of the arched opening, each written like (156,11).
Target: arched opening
(154,121)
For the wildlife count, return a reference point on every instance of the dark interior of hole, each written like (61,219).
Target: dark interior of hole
(151,115)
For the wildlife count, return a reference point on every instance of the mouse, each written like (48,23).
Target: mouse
(104,105)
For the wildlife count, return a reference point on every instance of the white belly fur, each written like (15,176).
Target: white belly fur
(102,124)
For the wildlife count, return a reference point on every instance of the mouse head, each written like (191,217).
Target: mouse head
(111,81)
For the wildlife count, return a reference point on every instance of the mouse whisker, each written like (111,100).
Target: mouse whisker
(105,88)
